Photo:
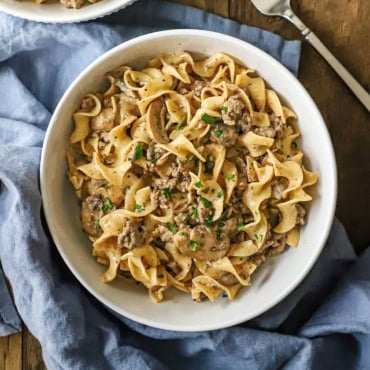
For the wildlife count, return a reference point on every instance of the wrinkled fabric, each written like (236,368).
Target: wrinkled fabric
(324,323)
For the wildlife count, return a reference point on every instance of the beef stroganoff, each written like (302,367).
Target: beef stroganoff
(70,4)
(189,175)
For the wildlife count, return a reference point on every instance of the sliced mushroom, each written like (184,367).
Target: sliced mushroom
(104,121)
(156,121)
(202,243)
(227,279)
(91,213)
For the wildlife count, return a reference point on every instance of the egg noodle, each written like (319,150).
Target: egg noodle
(70,4)
(189,175)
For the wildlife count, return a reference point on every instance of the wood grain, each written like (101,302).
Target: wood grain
(11,352)
(343,25)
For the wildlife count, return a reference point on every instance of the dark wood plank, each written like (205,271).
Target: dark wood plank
(11,352)
(31,352)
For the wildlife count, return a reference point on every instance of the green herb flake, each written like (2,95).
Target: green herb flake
(183,233)
(220,194)
(229,176)
(97,224)
(194,213)
(167,192)
(240,227)
(106,186)
(178,126)
(223,108)
(172,227)
(206,202)
(153,159)
(108,205)
(207,118)
(198,184)
(258,237)
(139,207)
(208,220)
(205,191)
(138,151)
(194,245)
(218,133)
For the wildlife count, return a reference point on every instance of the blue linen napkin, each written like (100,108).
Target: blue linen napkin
(322,324)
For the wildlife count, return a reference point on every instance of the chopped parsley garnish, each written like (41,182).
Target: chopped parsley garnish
(154,158)
(220,194)
(205,191)
(167,192)
(198,184)
(194,213)
(139,207)
(207,118)
(218,133)
(208,220)
(194,245)
(172,227)
(206,202)
(178,126)
(138,151)
(240,227)
(106,186)
(229,176)
(97,224)
(258,237)
(108,205)
(223,108)
(183,233)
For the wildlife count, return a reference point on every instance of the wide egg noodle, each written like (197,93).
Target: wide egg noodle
(82,120)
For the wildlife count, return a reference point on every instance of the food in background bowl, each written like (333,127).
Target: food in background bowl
(62,11)
(189,174)
(70,4)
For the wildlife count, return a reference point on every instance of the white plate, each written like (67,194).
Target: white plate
(275,280)
(54,12)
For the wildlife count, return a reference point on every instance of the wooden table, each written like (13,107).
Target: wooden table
(345,28)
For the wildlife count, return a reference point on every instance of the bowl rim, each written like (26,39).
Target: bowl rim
(73,16)
(331,202)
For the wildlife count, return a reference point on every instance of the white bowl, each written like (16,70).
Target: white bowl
(55,12)
(275,280)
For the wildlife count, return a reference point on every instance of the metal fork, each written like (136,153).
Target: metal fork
(283,9)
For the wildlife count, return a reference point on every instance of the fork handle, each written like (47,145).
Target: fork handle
(362,95)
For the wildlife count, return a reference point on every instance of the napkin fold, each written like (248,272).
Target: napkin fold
(324,323)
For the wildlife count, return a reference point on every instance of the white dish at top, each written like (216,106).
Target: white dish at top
(55,12)
(275,279)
